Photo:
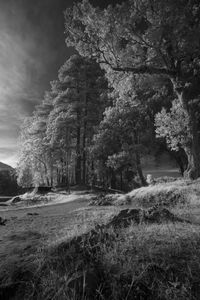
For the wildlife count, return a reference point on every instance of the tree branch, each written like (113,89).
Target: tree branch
(145,70)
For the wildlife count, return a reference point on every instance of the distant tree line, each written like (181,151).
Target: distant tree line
(132,91)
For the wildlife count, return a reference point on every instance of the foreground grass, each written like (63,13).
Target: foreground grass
(139,262)
(145,261)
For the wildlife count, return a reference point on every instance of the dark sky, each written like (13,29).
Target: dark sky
(32,49)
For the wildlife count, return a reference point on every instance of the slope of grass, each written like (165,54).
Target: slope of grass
(169,194)
(140,262)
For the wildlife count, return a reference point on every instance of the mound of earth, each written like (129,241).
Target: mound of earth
(84,248)
(123,219)
(153,215)
(29,199)
(4,167)
(15,200)
(165,194)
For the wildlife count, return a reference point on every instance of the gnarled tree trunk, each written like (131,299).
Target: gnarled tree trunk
(186,94)
(193,156)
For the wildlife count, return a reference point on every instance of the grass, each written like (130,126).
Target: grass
(90,261)
(168,194)
(140,262)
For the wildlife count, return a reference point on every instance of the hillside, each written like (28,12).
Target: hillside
(4,167)
(8,181)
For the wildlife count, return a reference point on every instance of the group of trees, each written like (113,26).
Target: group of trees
(55,140)
(137,77)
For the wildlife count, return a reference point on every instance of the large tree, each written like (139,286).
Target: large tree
(146,37)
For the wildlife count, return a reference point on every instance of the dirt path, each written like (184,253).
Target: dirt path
(27,228)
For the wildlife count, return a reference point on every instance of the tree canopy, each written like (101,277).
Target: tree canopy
(146,38)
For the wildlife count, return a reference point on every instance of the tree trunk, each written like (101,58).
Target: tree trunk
(84,143)
(78,152)
(121,180)
(85,125)
(46,175)
(180,157)
(139,169)
(113,180)
(192,150)
(180,165)
(193,156)
(137,158)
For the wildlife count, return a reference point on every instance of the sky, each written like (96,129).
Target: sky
(32,49)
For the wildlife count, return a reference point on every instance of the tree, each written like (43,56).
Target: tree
(81,96)
(35,157)
(119,141)
(174,127)
(32,168)
(149,37)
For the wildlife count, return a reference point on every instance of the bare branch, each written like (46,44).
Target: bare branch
(145,70)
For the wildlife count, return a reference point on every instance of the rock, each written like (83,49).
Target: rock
(150,180)
(32,214)
(2,221)
(15,200)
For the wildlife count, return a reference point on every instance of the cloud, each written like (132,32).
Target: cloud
(18,83)
(10,159)
(22,68)
(32,49)
(9,155)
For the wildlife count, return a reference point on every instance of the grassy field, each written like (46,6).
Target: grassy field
(73,251)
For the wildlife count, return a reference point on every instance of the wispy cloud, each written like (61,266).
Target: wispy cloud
(32,48)
(16,92)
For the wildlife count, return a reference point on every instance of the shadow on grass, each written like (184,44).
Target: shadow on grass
(17,266)
(143,261)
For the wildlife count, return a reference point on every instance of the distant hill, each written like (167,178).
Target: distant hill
(4,167)
(8,181)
